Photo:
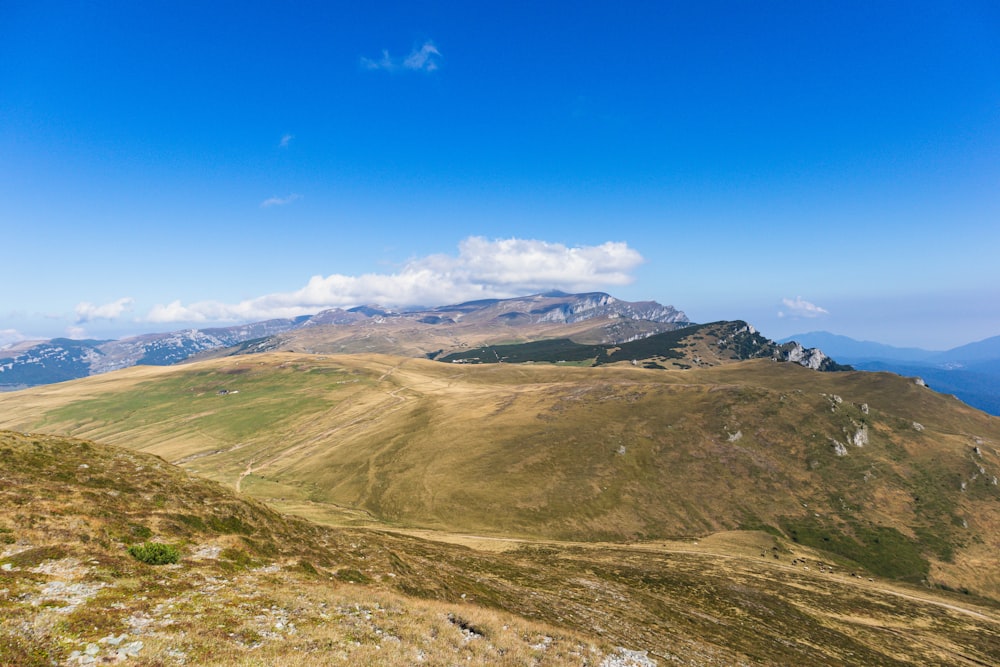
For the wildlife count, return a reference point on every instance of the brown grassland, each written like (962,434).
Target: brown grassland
(754,513)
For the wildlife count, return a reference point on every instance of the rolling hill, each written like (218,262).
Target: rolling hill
(252,586)
(872,468)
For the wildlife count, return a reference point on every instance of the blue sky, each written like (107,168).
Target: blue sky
(803,166)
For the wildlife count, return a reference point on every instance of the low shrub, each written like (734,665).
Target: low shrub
(154,553)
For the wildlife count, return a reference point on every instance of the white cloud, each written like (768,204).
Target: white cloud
(280,201)
(799,307)
(422,59)
(482,269)
(9,336)
(86,311)
(285,140)
(76,333)
(385,62)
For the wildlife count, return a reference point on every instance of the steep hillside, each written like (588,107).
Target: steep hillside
(251,586)
(871,467)
(695,345)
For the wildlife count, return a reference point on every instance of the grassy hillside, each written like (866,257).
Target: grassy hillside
(869,467)
(254,587)
(251,584)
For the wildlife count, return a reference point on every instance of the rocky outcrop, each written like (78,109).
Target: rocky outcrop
(560,307)
(810,357)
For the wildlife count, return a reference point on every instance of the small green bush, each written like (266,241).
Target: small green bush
(154,553)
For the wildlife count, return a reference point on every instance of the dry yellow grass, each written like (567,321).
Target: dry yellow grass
(571,454)
(255,587)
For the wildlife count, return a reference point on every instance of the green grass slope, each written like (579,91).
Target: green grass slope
(253,587)
(872,468)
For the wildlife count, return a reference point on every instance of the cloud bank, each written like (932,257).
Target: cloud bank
(422,59)
(482,269)
(799,307)
(86,311)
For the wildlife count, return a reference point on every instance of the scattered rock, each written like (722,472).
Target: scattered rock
(623,657)
(542,645)
(73,595)
(129,650)
(112,640)
(835,401)
(208,552)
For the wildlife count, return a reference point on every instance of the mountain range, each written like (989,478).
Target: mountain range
(971,372)
(592,318)
(554,326)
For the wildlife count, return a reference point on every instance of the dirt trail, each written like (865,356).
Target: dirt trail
(366,413)
(239,480)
